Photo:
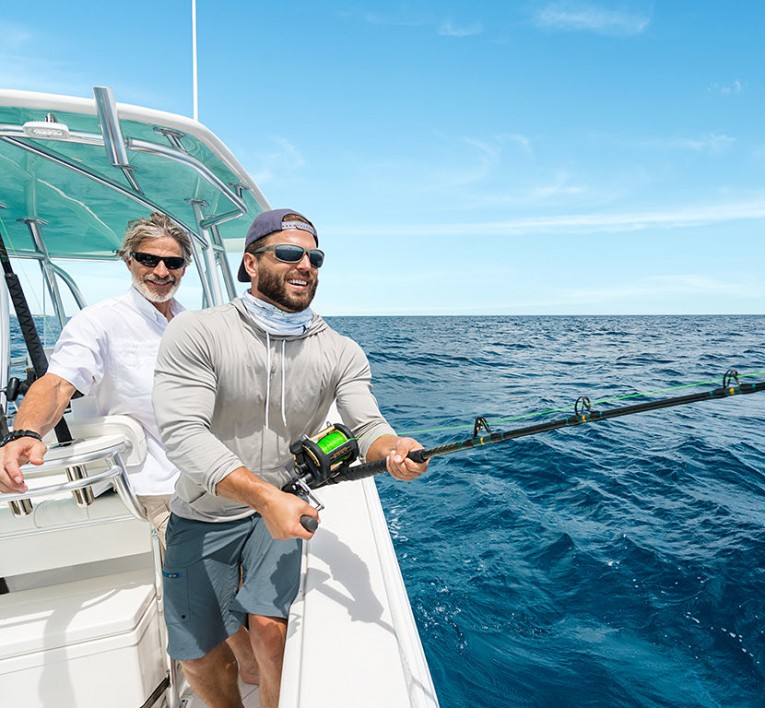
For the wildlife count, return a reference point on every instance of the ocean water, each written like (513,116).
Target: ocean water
(620,563)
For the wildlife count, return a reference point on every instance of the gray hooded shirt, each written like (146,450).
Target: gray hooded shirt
(227,395)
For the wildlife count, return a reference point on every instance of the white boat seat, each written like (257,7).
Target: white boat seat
(131,429)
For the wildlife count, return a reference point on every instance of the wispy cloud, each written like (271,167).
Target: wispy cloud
(674,286)
(714,144)
(638,293)
(33,74)
(398,18)
(684,217)
(560,185)
(735,86)
(522,141)
(406,17)
(471,161)
(283,160)
(14,36)
(494,148)
(588,17)
(665,293)
(489,153)
(449,29)
(36,60)
(460,163)
(24,66)
(703,284)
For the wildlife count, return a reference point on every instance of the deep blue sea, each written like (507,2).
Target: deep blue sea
(620,563)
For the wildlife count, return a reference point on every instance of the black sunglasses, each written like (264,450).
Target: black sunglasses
(290,253)
(149,260)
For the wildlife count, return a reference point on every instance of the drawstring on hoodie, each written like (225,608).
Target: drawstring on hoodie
(284,384)
(268,375)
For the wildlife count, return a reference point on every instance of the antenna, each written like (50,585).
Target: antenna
(195,87)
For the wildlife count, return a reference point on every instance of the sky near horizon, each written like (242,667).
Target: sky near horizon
(529,157)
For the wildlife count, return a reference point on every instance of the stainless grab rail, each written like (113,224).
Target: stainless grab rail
(117,473)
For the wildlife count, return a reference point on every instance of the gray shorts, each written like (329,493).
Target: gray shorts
(204,603)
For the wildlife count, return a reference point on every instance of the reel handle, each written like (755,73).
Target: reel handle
(309,523)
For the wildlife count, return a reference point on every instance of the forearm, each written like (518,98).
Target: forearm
(281,512)
(44,404)
(381,447)
(244,487)
(40,410)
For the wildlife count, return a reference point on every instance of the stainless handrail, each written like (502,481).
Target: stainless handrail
(117,473)
(79,458)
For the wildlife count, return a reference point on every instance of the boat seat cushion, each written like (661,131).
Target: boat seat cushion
(96,426)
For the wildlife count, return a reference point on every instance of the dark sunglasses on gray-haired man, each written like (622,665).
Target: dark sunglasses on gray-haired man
(149,260)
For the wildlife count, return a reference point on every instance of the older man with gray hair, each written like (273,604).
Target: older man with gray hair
(108,351)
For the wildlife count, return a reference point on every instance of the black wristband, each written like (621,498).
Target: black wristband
(16,434)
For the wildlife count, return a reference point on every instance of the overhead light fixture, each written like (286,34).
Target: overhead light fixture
(49,128)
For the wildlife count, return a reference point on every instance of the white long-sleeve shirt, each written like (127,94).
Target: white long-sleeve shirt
(108,350)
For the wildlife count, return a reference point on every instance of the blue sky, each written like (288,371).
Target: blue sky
(530,157)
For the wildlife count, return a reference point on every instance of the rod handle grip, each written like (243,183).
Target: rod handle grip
(381,466)
(418,456)
(367,469)
(309,523)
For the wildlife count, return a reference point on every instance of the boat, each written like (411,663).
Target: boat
(81,621)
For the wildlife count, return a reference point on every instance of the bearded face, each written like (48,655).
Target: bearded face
(157,284)
(288,286)
(291,291)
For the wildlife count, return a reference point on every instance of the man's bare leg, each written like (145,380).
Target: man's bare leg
(240,644)
(213,678)
(268,636)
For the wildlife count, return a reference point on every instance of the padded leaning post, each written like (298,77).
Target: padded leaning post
(81,625)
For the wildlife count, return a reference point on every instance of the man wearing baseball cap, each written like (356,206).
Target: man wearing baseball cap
(235,385)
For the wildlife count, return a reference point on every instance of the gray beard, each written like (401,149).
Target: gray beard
(149,294)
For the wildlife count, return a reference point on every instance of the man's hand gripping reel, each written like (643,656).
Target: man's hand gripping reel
(317,460)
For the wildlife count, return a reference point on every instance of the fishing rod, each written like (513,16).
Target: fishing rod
(39,362)
(31,339)
(326,458)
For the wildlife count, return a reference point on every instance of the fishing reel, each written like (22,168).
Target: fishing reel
(319,458)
